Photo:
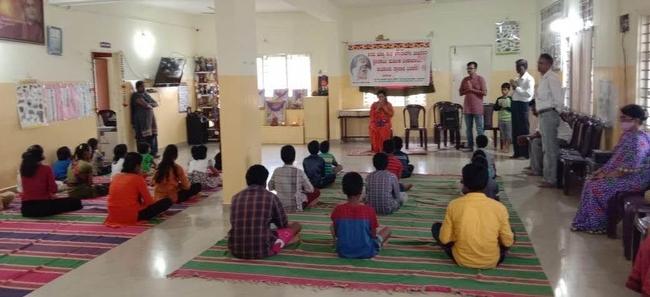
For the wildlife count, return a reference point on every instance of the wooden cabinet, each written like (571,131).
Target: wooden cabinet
(316,118)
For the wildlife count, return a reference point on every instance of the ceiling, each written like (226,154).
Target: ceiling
(205,6)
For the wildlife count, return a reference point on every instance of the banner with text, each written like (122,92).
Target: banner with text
(390,63)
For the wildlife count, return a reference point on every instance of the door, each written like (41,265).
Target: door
(460,56)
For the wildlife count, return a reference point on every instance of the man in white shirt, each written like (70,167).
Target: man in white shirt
(564,134)
(523,90)
(549,105)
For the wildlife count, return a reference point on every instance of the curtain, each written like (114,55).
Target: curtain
(582,71)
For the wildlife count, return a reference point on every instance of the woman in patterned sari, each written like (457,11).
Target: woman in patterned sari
(627,169)
(380,129)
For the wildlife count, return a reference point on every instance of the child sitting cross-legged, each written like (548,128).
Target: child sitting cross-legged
(148,163)
(402,157)
(119,152)
(314,167)
(201,169)
(292,184)
(252,212)
(394,165)
(491,188)
(331,166)
(354,225)
(382,188)
(476,232)
(482,143)
(97,158)
(80,176)
(64,158)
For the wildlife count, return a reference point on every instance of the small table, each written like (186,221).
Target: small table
(345,114)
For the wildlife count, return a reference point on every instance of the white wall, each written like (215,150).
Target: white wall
(290,33)
(85,27)
(453,24)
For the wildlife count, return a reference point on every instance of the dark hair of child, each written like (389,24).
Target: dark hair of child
(480,160)
(380,161)
(217,162)
(325,147)
(81,150)
(313,147)
(352,184)
(475,177)
(199,152)
(29,165)
(37,151)
(93,143)
(257,175)
(63,153)
(143,148)
(399,143)
(167,164)
(389,146)
(505,86)
(131,161)
(481,141)
(119,152)
(288,154)
(479,153)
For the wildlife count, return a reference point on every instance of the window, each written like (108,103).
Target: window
(420,99)
(587,13)
(644,62)
(291,72)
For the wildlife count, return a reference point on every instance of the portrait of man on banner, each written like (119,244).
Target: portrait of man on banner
(22,20)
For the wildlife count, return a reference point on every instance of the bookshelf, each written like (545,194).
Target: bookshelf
(206,84)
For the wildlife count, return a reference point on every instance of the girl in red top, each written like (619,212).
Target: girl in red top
(129,200)
(39,188)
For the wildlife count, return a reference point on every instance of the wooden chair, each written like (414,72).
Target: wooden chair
(414,123)
(447,118)
(488,112)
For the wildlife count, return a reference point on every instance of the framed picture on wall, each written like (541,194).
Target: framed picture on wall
(22,21)
(54,40)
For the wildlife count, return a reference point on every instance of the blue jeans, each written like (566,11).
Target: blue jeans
(469,122)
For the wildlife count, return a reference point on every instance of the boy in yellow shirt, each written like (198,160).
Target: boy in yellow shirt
(476,232)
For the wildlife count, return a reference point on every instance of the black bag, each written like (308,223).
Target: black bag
(450,118)
(197,128)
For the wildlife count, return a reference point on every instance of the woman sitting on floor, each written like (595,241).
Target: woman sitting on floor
(129,200)
(626,169)
(39,188)
(80,176)
(170,180)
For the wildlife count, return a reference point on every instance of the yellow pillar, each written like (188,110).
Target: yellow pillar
(236,57)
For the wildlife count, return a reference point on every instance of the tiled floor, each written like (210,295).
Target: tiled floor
(577,264)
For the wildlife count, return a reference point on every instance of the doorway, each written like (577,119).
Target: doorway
(107,80)
(460,56)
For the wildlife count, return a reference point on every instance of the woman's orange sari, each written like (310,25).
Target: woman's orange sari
(380,127)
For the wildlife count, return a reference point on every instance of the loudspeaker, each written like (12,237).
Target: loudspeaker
(450,118)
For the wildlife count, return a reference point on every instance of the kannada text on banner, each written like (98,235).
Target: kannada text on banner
(390,63)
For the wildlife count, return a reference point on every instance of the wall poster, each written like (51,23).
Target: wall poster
(29,101)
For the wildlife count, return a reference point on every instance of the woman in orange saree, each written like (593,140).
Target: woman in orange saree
(380,129)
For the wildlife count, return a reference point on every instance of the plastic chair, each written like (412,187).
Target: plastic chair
(414,123)
(450,121)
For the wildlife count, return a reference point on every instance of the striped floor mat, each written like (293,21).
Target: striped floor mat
(410,261)
(34,252)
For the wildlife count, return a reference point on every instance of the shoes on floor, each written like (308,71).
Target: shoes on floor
(531,173)
(467,150)
(546,185)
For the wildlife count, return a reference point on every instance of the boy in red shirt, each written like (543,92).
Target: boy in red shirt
(354,225)
(394,165)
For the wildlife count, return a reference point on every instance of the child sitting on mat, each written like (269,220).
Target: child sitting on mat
(119,152)
(60,168)
(331,166)
(394,165)
(481,143)
(314,167)
(80,176)
(402,157)
(292,184)
(382,188)
(97,158)
(492,188)
(148,163)
(201,169)
(476,232)
(354,225)
(252,212)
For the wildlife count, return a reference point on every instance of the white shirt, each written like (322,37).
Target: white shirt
(117,167)
(549,93)
(525,89)
(200,165)
(564,131)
